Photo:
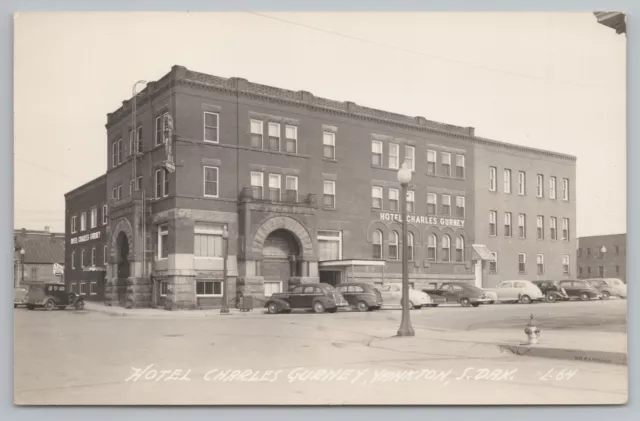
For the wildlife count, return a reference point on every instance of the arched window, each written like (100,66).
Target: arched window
(460,249)
(393,246)
(446,248)
(377,244)
(410,246)
(432,242)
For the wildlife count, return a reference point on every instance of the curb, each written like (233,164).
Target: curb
(165,314)
(583,355)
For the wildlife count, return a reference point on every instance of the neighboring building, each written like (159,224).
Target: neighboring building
(525,210)
(43,252)
(603,256)
(614,20)
(86,252)
(283,173)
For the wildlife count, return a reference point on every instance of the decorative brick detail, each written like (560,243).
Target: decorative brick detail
(289,224)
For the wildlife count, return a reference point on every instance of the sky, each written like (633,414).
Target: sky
(554,81)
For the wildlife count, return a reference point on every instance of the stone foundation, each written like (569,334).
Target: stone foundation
(128,293)
(181,293)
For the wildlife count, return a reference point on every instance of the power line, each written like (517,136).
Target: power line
(45,168)
(431,56)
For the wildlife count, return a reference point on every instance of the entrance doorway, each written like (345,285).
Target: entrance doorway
(123,267)
(280,259)
(331,277)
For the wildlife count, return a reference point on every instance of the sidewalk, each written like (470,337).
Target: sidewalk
(587,346)
(158,313)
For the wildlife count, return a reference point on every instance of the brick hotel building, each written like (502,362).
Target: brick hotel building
(283,173)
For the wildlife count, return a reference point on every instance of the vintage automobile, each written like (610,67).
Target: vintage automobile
(52,295)
(580,289)
(517,291)
(552,291)
(392,295)
(361,296)
(20,296)
(609,287)
(457,292)
(317,297)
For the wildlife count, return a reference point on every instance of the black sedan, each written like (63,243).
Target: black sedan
(552,291)
(361,296)
(580,289)
(317,297)
(456,292)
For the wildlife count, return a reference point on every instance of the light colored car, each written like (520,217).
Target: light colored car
(392,295)
(517,291)
(609,287)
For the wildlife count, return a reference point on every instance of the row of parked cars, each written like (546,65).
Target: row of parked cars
(321,297)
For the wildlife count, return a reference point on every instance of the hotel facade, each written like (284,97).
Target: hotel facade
(285,188)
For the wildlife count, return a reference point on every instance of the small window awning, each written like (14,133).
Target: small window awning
(349,262)
(483,252)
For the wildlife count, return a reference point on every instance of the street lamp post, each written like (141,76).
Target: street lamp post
(22,252)
(603,250)
(225,254)
(404,177)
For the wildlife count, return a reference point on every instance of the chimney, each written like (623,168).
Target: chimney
(46,228)
(53,238)
(23,232)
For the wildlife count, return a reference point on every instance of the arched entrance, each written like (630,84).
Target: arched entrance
(281,260)
(122,265)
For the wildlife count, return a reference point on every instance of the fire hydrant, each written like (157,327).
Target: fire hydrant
(532,331)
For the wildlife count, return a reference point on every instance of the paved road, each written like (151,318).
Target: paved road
(67,357)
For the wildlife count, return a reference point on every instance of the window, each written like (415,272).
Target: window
(83,221)
(552,188)
(329,143)
(540,264)
(164,288)
(588,252)
(600,271)
(209,288)
(163,241)
(446,164)
(492,178)
(94,217)
(432,240)
(565,229)
(114,193)
(565,189)
(329,194)
(522,183)
(93,256)
(104,215)
(208,240)
(131,142)
(393,200)
(376,195)
(291,139)
(256,134)
(460,166)
(410,246)
(493,266)
(377,244)
(73,225)
(617,250)
(522,263)
(394,156)
(291,188)
(131,186)
(459,249)
(211,129)
(554,228)
(579,252)
(507,224)
(539,185)
(105,255)
(410,157)
(256,185)
(275,187)
(617,270)
(589,270)
(393,246)
(272,287)
(114,154)
(159,130)
(446,205)
(119,191)
(460,206)
(411,201)
(162,183)
(493,218)
(376,151)
(329,245)
(431,162)
(580,271)
(83,288)
(522,225)
(119,142)
(432,203)
(210,175)
(446,248)
(93,288)
(73,260)
(274,136)
(565,264)
(540,227)
(82,258)
(507,181)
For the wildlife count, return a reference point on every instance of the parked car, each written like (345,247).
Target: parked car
(392,295)
(517,291)
(361,296)
(458,292)
(580,289)
(552,291)
(609,287)
(20,296)
(50,296)
(317,297)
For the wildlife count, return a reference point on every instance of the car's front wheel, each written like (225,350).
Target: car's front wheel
(525,299)
(606,295)
(464,302)
(272,308)
(585,296)
(362,306)
(49,305)
(318,307)
(551,298)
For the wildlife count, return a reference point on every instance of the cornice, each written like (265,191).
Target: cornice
(87,186)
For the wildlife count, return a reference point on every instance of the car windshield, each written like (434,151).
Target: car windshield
(616,282)
(328,287)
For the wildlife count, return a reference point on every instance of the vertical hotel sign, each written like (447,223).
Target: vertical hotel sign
(169,163)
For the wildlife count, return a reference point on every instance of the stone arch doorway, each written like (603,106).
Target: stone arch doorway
(281,260)
(123,266)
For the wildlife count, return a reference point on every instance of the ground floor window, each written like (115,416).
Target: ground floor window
(164,287)
(329,245)
(493,265)
(209,288)
(93,288)
(83,288)
(272,287)
(73,287)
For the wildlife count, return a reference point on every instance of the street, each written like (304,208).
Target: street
(68,357)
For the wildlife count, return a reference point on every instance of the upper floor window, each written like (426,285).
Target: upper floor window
(507,224)
(565,264)
(554,228)
(522,178)
(493,220)
(432,203)
(410,246)
(431,162)
(74,229)
(565,229)
(256,134)
(446,164)
(257,180)
(492,178)
(565,189)
(460,206)
(159,130)
(104,214)
(540,264)
(376,195)
(522,225)
(540,227)
(394,156)
(94,217)
(83,221)
(460,166)
(432,241)
(329,194)
(207,240)
(275,187)
(393,246)
(446,205)
(274,136)
(539,185)
(376,153)
(73,260)
(507,181)
(329,145)
(446,248)
(210,176)
(291,139)
(291,188)
(522,263)
(211,127)
(410,157)
(163,241)
(162,183)
(459,249)
(394,200)
(552,187)
(377,244)
(411,200)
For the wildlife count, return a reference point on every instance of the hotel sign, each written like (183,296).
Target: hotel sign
(419,219)
(86,237)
